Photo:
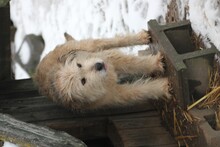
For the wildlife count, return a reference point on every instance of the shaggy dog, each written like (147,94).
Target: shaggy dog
(84,74)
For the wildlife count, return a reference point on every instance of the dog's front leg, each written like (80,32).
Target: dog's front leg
(131,64)
(141,38)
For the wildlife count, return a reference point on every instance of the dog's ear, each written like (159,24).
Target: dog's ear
(68,37)
(71,55)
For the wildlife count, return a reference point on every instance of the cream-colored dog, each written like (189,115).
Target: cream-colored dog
(84,74)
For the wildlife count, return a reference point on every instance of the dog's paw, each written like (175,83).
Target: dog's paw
(144,37)
(167,88)
(159,62)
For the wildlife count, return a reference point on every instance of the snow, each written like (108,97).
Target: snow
(9,144)
(103,18)
(205,19)
(20,72)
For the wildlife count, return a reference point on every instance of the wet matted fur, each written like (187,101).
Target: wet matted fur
(84,74)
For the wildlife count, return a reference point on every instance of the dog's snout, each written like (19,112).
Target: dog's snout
(99,66)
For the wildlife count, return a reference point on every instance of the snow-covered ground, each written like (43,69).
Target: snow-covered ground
(9,144)
(205,19)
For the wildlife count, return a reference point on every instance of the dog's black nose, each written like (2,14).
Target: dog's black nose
(99,66)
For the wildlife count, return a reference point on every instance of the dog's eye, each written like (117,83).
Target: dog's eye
(78,65)
(83,81)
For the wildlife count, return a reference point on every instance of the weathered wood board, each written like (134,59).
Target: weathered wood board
(5,50)
(142,129)
(26,135)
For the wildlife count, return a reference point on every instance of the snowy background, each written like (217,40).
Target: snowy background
(97,19)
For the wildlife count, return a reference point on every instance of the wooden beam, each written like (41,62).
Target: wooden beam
(5,49)
(140,129)
(25,134)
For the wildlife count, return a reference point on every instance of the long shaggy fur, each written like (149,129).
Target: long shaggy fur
(84,74)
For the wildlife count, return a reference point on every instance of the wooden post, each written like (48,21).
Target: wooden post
(5,49)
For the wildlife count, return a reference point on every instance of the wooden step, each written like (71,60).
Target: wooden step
(139,130)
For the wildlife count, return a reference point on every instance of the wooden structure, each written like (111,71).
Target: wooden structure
(188,66)
(138,125)
(27,135)
(5,50)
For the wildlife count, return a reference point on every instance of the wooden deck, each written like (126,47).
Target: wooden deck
(132,126)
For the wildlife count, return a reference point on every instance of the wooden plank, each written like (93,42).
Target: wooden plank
(143,132)
(166,145)
(114,136)
(32,104)
(22,94)
(40,110)
(139,130)
(150,141)
(25,134)
(137,123)
(41,114)
(82,125)
(141,114)
(154,136)
(46,111)
(5,50)
(13,86)
(83,128)
(23,101)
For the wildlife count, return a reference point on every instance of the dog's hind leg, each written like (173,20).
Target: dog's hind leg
(144,89)
(138,92)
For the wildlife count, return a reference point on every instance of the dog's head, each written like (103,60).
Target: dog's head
(84,76)
(74,77)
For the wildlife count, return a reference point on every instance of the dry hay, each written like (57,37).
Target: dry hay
(197,40)
(179,122)
(212,98)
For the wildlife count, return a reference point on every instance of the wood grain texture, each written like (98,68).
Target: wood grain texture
(25,134)
(143,129)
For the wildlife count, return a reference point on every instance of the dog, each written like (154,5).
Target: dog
(84,74)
